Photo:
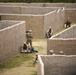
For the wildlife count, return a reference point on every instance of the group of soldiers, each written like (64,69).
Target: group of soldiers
(48,34)
(27,46)
(51,52)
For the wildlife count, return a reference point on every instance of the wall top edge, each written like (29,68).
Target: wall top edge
(36,3)
(4,14)
(57,55)
(62,32)
(17,23)
(62,39)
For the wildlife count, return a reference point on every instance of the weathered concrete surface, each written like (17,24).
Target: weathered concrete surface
(67,5)
(40,69)
(67,33)
(59,65)
(10,10)
(54,19)
(33,22)
(12,37)
(26,10)
(71,12)
(70,8)
(40,22)
(64,41)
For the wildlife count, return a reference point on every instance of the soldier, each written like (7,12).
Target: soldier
(61,53)
(68,22)
(49,33)
(24,48)
(51,52)
(29,38)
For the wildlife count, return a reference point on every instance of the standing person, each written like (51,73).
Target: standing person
(49,33)
(68,22)
(29,37)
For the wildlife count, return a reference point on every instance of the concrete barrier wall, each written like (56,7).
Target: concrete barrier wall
(49,20)
(64,41)
(25,10)
(18,8)
(68,46)
(37,10)
(67,33)
(41,22)
(54,19)
(71,13)
(67,5)
(33,22)
(40,68)
(10,10)
(59,65)
(4,25)
(11,39)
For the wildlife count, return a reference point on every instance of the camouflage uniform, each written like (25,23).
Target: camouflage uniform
(68,22)
(49,33)
(29,38)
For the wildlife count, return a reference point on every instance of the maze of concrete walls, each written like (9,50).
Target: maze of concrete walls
(12,36)
(57,65)
(64,41)
(70,7)
(36,18)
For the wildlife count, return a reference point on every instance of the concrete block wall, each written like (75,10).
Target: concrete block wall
(57,19)
(33,22)
(11,39)
(71,12)
(25,10)
(67,33)
(10,9)
(68,46)
(41,22)
(67,5)
(54,19)
(70,8)
(40,68)
(59,64)
(49,20)
(64,41)
(4,25)
(37,10)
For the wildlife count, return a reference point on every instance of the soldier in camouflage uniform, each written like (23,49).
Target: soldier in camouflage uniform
(29,38)
(68,22)
(49,33)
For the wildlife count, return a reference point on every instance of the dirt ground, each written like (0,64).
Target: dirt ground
(27,68)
